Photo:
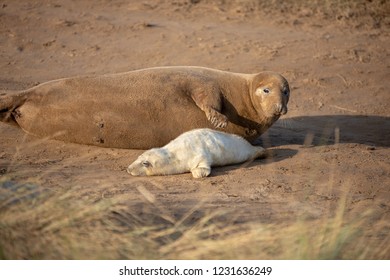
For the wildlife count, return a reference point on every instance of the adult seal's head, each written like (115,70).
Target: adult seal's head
(270,93)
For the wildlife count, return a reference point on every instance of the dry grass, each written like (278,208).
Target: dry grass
(45,225)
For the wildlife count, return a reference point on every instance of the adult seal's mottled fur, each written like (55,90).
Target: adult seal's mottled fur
(195,151)
(148,108)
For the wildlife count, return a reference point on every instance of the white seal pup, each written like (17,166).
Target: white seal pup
(195,151)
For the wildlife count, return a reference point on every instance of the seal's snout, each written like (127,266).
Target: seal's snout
(284,110)
(129,169)
(280,109)
(135,170)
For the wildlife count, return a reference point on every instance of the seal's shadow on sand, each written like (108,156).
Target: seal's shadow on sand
(328,130)
(275,155)
(318,131)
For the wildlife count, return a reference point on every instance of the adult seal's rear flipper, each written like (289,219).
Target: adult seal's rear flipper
(9,103)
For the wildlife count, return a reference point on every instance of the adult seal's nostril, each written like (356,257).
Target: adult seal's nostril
(280,109)
(284,110)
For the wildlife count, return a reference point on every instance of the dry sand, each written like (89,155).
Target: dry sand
(332,147)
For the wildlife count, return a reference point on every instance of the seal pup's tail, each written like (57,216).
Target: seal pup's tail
(260,152)
(9,101)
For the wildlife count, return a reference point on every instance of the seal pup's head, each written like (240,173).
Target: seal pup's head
(270,93)
(157,161)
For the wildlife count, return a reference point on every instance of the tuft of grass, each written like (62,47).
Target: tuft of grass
(53,225)
(305,239)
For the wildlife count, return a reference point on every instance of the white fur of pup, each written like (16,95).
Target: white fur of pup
(195,151)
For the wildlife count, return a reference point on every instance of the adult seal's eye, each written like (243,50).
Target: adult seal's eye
(146,163)
(266,90)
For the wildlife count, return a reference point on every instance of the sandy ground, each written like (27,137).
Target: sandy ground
(332,146)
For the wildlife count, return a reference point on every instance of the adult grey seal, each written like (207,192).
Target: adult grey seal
(147,108)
